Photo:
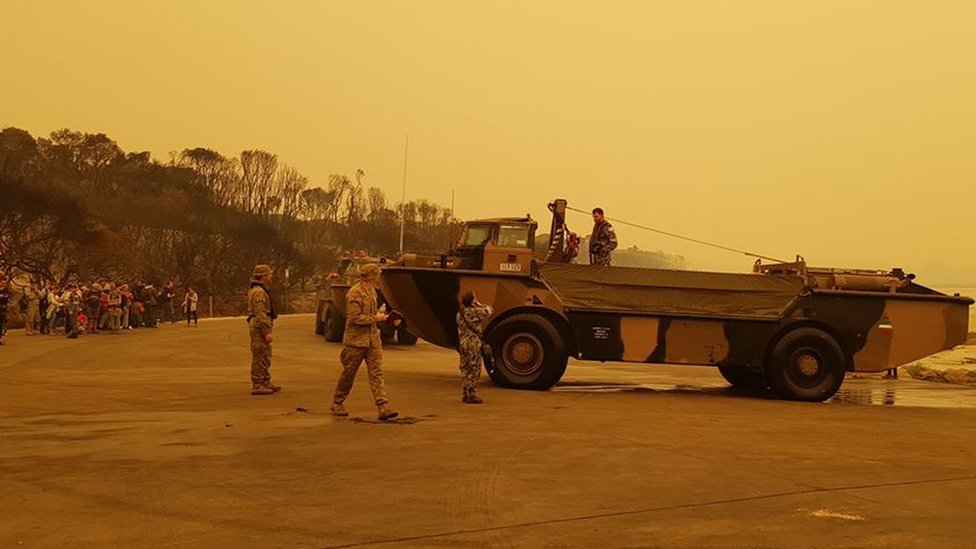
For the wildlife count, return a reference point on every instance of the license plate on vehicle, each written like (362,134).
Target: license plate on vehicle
(511,267)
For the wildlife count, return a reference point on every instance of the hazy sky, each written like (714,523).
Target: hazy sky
(841,130)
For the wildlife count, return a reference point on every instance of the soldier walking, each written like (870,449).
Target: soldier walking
(260,319)
(470,342)
(603,240)
(362,342)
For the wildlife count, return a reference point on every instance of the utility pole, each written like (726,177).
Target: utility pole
(403,198)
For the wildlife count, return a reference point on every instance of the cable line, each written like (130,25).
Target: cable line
(682,237)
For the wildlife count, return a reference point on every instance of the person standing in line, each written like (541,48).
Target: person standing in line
(190,305)
(260,320)
(43,303)
(138,310)
(470,320)
(54,308)
(603,240)
(33,314)
(169,296)
(362,341)
(150,301)
(73,305)
(5,294)
(93,305)
(114,309)
(126,306)
(103,313)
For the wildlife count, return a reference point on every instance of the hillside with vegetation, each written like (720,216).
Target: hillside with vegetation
(76,205)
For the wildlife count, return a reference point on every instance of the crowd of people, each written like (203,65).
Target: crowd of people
(101,305)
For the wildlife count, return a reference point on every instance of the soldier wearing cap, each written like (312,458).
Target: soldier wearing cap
(260,320)
(362,342)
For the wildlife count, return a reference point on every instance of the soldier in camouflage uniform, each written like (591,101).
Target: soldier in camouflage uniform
(362,342)
(260,319)
(603,241)
(470,340)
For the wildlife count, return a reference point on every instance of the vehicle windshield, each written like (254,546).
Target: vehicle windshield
(477,235)
(513,236)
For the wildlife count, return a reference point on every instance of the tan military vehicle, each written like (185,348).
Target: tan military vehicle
(793,328)
(330,297)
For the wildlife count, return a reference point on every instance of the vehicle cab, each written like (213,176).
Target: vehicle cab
(503,245)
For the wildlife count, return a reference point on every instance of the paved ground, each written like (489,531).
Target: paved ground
(150,439)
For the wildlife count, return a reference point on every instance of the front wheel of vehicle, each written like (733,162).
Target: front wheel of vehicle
(528,353)
(806,364)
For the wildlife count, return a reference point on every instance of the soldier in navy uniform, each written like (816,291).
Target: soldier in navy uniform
(603,241)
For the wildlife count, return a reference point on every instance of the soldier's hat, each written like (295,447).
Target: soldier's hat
(370,271)
(261,270)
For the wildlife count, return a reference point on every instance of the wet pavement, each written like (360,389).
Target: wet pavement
(867,391)
(150,439)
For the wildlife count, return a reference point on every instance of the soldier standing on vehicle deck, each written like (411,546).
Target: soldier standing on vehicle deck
(260,319)
(470,342)
(603,241)
(362,342)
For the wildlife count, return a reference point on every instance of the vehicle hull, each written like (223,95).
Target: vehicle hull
(876,330)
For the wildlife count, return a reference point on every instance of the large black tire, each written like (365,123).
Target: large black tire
(529,353)
(319,321)
(404,336)
(806,364)
(335,324)
(743,378)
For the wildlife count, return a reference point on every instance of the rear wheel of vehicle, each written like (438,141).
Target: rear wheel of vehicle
(319,321)
(404,337)
(743,378)
(335,325)
(806,364)
(528,353)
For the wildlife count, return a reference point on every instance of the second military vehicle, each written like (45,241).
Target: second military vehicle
(330,316)
(792,328)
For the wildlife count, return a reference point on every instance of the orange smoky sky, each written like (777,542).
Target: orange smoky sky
(842,130)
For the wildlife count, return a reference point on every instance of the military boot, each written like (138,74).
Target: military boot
(338,409)
(385,412)
(471,398)
(272,386)
(258,389)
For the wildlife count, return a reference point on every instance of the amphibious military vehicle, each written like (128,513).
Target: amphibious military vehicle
(330,316)
(792,328)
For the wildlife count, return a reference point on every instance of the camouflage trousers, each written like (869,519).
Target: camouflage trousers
(470,365)
(260,358)
(351,358)
(600,259)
